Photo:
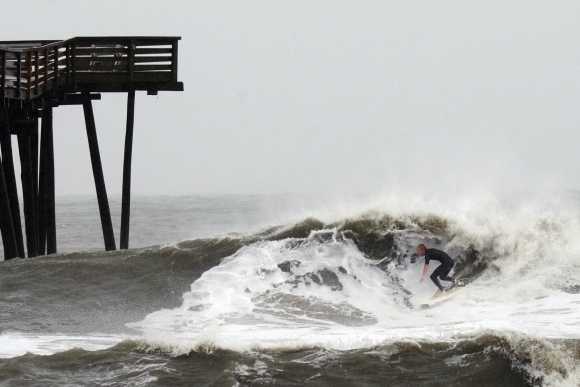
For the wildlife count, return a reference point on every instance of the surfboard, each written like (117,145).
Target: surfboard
(462,283)
(442,296)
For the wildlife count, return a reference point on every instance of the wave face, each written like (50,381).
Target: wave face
(297,303)
(353,284)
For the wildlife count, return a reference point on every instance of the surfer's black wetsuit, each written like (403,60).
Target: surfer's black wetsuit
(443,270)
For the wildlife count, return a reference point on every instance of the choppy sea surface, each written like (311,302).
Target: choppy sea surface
(288,291)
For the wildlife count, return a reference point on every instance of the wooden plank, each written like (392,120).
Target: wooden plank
(149,59)
(174,61)
(36,68)
(98,59)
(154,67)
(147,51)
(77,98)
(123,87)
(3,76)
(102,68)
(87,41)
(55,73)
(155,41)
(29,42)
(19,74)
(25,46)
(139,40)
(67,64)
(73,64)
(28,75)
(46,70)
(104,77)
(89,51)
(11,64)
(138,77)
(92,61)
(131,61)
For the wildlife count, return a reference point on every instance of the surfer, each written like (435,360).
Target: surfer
(442,271)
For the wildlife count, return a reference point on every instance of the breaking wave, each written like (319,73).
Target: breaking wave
(352,285)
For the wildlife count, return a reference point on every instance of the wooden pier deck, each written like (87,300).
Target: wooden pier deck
(37,76)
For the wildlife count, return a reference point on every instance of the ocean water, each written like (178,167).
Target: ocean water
(293,291)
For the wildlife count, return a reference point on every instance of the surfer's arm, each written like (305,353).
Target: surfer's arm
(425,270)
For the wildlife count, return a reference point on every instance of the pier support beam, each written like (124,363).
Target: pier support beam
(104,210)
(46,213)
(28,193)
(10,180)
(49,183)
(6,227)
(126,201)
(41,208)
(34,154)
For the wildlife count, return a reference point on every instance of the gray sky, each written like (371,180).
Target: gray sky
(331,97)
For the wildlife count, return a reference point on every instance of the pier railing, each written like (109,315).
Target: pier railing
(30,69)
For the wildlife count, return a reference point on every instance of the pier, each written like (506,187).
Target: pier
(38,76)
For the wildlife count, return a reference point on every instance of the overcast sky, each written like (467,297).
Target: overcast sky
(331,97)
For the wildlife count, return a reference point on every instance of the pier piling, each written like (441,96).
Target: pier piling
(126,200)
(10,179)
(6,227)
(50,214)
(98,175)
(34,155)
(28,194)
(41,208)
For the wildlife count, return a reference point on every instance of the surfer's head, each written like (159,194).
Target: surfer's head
(421,250)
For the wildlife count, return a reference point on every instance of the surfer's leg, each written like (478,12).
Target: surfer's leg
(444,275)
(434,278)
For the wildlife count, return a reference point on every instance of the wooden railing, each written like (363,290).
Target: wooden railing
(29,69)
